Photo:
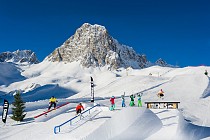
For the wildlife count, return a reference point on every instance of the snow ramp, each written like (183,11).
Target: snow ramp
(190,131)
(129,123)
(170,120)
(206,92)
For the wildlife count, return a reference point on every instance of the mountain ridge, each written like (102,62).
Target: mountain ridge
(19,56)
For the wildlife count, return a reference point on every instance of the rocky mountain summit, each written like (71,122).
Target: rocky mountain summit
(19,56)
(163,63)
(92,46)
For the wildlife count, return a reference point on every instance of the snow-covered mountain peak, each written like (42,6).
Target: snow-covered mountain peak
(19,56)
(93,28)
(161,62)
(92,46)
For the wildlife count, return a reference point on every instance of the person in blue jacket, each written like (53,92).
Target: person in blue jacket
(123,100)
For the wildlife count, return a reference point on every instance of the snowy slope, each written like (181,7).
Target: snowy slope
(128,123)
(169,119)
(9,73)
(71,82)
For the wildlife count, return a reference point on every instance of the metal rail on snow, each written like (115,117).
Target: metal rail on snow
(70,120)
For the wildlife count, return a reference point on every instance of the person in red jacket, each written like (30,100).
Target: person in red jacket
(79,108)
(112,103)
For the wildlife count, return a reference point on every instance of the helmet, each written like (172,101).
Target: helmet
(112,96)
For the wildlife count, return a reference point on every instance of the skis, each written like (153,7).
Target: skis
(45,113)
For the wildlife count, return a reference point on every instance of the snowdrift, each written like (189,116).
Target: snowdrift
(206,93)
(188,130)
(126,124)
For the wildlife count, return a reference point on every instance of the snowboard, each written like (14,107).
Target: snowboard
(47,111)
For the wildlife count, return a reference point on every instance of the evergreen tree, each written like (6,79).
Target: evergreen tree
(18,109)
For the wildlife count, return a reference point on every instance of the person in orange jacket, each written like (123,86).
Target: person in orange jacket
(160,94)
(79,108)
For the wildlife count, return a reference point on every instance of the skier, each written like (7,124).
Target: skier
(160,94)
(79,108)
(52,102)
(123,100)
(139,100)
(206,73)
(112,103)
(132,100)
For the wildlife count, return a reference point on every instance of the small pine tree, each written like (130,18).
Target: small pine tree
(18,109)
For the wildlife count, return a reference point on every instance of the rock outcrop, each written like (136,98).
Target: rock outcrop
(92,46)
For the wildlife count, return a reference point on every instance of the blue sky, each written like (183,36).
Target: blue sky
(176,30)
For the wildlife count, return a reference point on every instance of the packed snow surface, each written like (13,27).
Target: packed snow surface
(71,83)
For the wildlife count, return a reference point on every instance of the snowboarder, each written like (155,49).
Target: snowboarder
(79,108)
(206,73)
(139,100)
(123,100)
(132,100)
(52,102)
(160,94)
(112,103)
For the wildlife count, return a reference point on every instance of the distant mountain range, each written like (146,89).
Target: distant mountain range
(19,56)
(91,46)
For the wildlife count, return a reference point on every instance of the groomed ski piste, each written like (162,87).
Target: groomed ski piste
(187,85)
